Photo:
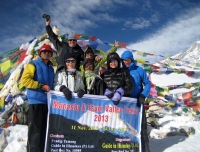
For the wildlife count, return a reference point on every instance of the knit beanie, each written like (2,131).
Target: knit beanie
(72,35)
(87,61)
(69,55)
(45,47)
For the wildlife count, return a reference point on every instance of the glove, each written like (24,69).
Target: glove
(44,87)
(117,96)
(141,100)
(108,93)
(66,91)
(121,91)
(80,93)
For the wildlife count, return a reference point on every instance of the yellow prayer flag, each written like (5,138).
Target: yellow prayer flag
(5,66)
(140,61)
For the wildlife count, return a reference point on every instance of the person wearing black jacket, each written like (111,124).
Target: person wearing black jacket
(63,47)
(118,81)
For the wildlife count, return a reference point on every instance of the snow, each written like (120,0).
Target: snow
(17,139)
(159,142)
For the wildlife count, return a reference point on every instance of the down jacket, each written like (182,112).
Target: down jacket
(73,80)
(118,77)
(139,76)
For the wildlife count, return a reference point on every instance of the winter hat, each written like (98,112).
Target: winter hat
(45,47)
(69,55)
(89,50)
(72,35)
(127,55)
(112,56)
(87,61)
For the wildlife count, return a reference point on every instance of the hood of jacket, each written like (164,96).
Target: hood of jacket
(128,55)
(89,49)
(111,56)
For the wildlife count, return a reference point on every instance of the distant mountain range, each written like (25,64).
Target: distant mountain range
(191,55)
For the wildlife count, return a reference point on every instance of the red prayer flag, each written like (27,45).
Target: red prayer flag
(123,45)
(92,38)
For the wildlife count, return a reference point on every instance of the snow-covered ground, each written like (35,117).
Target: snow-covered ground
(159,141)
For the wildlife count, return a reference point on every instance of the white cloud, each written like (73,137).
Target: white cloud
(173,38)
(138,23)
(81,15)
(17,41)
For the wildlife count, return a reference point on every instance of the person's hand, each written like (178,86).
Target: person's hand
(141,100)
(48,22)
(121,91)
(117,43)
(116,98)
(45,87)
(80,93)
(66,91)
(108,93)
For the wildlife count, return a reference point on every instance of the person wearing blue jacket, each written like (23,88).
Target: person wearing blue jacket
(142,86)
(38,77)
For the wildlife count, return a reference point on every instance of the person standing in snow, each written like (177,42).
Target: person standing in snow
(63,47)
(38,79)
(118,81)
(140,80)
(69,79)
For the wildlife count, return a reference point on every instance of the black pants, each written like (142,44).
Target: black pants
(144,136)
(37,123)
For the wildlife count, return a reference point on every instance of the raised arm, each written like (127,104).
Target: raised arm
(53,37)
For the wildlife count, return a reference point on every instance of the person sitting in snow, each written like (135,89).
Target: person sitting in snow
(117,80)
(38,79)
(69,80)
(140,80)
(63,47)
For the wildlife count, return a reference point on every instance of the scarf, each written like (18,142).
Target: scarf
(89,76)
(71,71)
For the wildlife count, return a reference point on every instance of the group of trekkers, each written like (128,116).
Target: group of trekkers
(80,72)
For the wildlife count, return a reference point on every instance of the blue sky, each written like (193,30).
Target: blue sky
(154,26)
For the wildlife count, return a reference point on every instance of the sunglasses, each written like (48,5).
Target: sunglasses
(46,51)
(71,40)
(113,61)
(72,61)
